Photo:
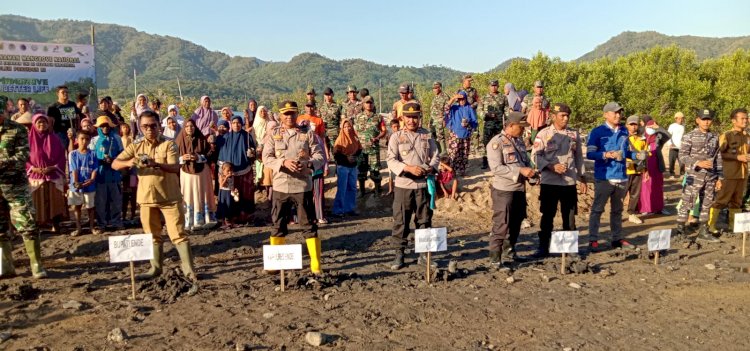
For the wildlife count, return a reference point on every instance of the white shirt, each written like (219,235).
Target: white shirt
(677,130)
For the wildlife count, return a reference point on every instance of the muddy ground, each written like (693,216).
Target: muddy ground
(694,300)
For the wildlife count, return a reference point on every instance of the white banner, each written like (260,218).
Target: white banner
(126,248)
(34,69)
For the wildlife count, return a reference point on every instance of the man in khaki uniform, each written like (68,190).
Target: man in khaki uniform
(412,156)
(292,153)
(398,106)
(157,164)
(734,148)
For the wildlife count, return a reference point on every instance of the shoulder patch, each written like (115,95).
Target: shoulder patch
(495,146)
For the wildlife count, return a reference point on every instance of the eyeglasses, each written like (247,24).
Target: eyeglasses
(149,126)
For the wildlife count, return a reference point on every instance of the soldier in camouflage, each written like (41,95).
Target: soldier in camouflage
(472,98)
(352,107)
(370,129)
(18,208)
(437,115)
(529,98)
(491,113)
(330,112)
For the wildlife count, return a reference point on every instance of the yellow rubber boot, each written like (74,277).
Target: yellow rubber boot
(313,248)
(278,240)
(713,216)
(732,212)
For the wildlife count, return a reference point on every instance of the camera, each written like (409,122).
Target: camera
(143,160)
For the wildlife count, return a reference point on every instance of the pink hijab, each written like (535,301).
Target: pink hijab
(46,150)
(204,118)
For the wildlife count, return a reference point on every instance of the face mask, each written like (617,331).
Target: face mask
(650,131)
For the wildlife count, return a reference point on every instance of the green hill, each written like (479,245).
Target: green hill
(629,42)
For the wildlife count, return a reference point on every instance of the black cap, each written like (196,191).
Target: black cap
(102,99)
(288,106)
(518,118)
(327,91)
(560,107)
(403,88)
(705,114)
(310,104)
(412,109)
(494,82)
(364,92)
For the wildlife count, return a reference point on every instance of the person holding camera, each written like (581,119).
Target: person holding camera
(635,167)
(558,154)
(510,168)
(157,164)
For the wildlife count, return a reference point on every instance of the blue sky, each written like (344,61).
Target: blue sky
(470,36)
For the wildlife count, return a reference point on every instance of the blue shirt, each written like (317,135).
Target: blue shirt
(603,139)
(84,165)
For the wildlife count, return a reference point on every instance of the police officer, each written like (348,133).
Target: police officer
(17,207)
(491,112)
(734,146)
(330,112)
(701,156)
(412,155)
(510,168)
(157,164)
(352,107)
(370,129)
(557,154)
(293,153)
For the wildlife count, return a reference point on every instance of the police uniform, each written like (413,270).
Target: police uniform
(491,114)
(506,156)
(699,146)
(731,144)
(368,126)
(351,109)
(292,189)
(159,195)
(553,146)
(410,148)
(16,206)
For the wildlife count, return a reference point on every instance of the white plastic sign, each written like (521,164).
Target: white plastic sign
(564,242)
(277,257)
(742,222)
(659,239)
(430,240)
(126,248)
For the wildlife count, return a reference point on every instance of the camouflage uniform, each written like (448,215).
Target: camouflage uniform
(331,115)
(350,109)
(698,146)
(491,114)
(368,126)
(437,118)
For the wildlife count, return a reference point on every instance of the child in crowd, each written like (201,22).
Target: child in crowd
(228,195)
(394,128)
(129,179)
(446,175)
(82,166)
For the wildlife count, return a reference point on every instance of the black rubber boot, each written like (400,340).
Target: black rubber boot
(485,164)
(705,235)
(362,187)
(542,251)
(496,259)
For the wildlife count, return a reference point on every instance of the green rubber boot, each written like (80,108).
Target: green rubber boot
(186,259)
(34,250)
(8,270)
(156,264)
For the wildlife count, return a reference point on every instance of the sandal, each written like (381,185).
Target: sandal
(76,232)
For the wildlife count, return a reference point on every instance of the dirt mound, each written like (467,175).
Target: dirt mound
(168,287)
(19,292)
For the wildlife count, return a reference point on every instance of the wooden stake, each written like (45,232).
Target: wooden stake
(282,280)
(656,257)
(744,238)
(428,267)
(562,266)
(132,278)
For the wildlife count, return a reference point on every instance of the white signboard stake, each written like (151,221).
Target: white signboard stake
(430,240)
(129,248)
(281,257)
(742,225)
(564,242)
(658,240)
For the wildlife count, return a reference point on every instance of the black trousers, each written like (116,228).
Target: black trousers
(673,155)
(508,211)
(408,202)
(549,197)
(281,213)
(634,191)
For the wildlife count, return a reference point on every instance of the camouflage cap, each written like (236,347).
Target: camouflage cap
(539,84)
(327,91)
(288,106)
(437,84)
(351,89)
(494,83)
(705,114)
(412,109)
(468,76)
(367,98)
(310,91)
(560,107)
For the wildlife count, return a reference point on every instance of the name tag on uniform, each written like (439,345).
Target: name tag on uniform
(277,137)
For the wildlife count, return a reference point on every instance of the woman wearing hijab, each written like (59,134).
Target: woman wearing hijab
(172,128)
(346,150)
(140,105)
(239,150)
(195,177)
(46,171)
(652,186)
(174,112)
(215,143)
(259,132)
(537,117)
(205,118)
(514,101)
(461,121)
(226,113)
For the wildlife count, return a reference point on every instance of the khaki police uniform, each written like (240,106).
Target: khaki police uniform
(732,144)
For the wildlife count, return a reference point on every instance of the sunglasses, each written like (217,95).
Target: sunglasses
(149,126)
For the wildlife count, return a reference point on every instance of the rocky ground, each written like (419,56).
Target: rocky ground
(613,300)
